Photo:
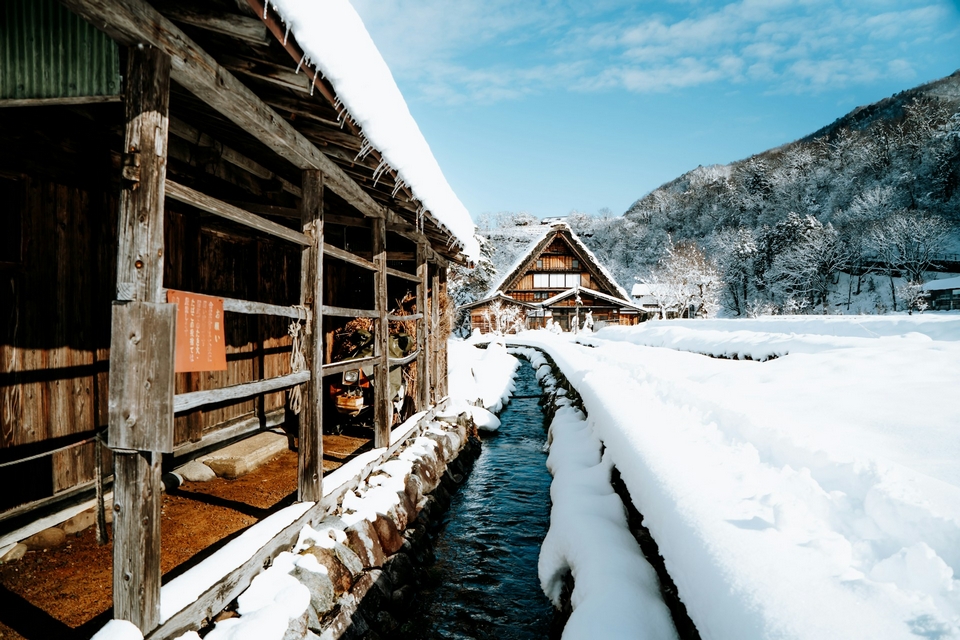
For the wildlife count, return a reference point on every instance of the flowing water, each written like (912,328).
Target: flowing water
(484,582)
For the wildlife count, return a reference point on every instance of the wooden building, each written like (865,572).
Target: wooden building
(557,279)
(154,151)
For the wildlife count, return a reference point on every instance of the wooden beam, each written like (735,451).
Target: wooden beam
(47,102)
(244,28)
(143,334)
(187,401)
(219,208)
(423,370)
(135,21)
(267,209)
(275,74)
(383,408)
(402,274)
(441,379)
(344,312)
(346,256)
(340,367)
(196,137)
(310,448)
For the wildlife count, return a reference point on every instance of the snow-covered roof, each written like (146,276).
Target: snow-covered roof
(336,42)
(537,239)
(940,285)
(536,242)
(578,289)
(640,289)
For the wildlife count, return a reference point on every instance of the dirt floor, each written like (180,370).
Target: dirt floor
(65,593)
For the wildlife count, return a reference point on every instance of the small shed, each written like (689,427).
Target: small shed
(557,279)
(198,199)
(944,294)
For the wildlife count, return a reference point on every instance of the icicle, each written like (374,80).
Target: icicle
(364,151)
(286,34)
(266,7)
(397,186)
(381,169)
(313,85)
(301,63)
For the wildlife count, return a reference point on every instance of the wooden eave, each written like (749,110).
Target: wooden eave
(218,51)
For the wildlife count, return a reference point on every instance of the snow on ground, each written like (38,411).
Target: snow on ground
(616,593)
(480,376)
(336,42)
(762,338)
(812,496)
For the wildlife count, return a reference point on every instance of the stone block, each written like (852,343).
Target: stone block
(195,471)
(46,539)
(15,553)
(322,596)
(243,457)
(390,538)
(340,576)
(362,538)
(80,521)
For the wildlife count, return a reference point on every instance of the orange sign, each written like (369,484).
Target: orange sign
(200,342)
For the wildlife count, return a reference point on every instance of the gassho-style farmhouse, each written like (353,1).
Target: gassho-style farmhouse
(556,280)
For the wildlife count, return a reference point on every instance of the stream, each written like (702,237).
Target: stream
(484,582)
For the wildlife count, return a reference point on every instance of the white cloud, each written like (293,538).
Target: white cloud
(494,50)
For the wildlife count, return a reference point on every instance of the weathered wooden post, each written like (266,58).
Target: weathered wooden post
(142,345)
(310,460)
(383,413)
(423,338)
(441,379)
(434,332)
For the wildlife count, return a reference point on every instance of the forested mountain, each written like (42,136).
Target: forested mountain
(781,224)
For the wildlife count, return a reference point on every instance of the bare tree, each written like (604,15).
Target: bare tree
(685,279)
(505,318)
(909,242)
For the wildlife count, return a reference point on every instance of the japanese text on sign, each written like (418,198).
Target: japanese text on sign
(200,339)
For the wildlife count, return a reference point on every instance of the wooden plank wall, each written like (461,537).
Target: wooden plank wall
(54,333)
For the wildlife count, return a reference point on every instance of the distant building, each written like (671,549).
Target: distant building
(558,278)
(944,294)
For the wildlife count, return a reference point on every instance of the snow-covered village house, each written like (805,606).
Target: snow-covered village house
(197,199)
(556,280)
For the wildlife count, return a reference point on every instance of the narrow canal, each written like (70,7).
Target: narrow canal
(484,582)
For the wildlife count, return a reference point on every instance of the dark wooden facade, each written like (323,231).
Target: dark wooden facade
(224,174)
(558,280)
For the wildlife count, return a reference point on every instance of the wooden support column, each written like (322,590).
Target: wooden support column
(423,338)
(141,359)
(434,331)
(442,333)
(310,460)
(383,414)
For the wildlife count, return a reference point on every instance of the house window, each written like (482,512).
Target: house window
(555,280)
(575,264)
(540,264)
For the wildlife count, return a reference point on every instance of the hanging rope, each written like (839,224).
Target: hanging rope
(98,477)
(298,362)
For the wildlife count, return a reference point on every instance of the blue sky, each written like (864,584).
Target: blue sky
(547,106)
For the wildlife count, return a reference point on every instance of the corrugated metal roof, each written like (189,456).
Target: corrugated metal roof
(48,52)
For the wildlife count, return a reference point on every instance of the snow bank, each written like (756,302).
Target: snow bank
(813,496)
(337,43)
(616,593)
(118,630)
(481,376)
(762,338)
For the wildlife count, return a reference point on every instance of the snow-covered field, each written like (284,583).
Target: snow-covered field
(816,495)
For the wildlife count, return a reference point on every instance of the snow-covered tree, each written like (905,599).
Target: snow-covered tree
(909,242)
(504,318)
